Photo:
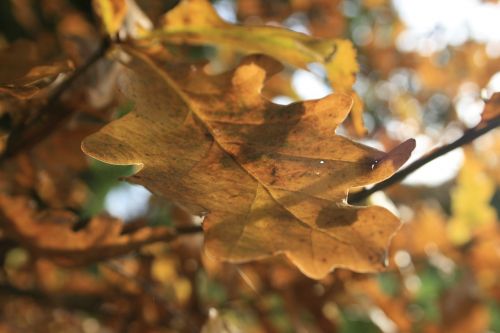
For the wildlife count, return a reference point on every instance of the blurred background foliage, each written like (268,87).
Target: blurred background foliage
(426,68)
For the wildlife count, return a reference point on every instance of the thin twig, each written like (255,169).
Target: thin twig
(52,114)
(467,137)
(192,229)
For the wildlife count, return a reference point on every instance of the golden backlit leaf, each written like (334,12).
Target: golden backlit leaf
(112,14)
(51,233)
(471,207)
(197,22)
(342,67)
(357,115)
(271,179)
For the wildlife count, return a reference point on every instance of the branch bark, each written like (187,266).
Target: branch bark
(469,136)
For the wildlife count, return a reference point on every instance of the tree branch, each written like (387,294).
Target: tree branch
(52,114)
(194,229)
(469,136)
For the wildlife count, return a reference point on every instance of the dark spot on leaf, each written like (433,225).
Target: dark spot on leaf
(330,55)
(332,216)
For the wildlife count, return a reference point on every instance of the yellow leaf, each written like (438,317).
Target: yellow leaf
(25,73)
(51,233)
(342,67)
(112,14)
(471,201)
(197,22)
(357,115)
(272,179)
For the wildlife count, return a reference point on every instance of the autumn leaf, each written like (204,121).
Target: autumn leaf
(197,22)
(50,233)
(471,201)
(25,72)
(181,90)
(491,108)
(271,179)
(112,14)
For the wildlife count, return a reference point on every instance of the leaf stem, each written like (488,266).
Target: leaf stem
(52,114)
(469,136)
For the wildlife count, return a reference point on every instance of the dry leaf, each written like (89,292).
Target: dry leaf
(25,72)
(51,233)
(272,179)
(491,108)
(197,22)
(112,14)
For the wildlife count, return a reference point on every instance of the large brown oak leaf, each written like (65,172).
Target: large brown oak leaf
(270,179)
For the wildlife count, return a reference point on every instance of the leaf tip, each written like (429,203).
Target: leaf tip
(400,154)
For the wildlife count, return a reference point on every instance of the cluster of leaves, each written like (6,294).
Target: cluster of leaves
(187,102)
